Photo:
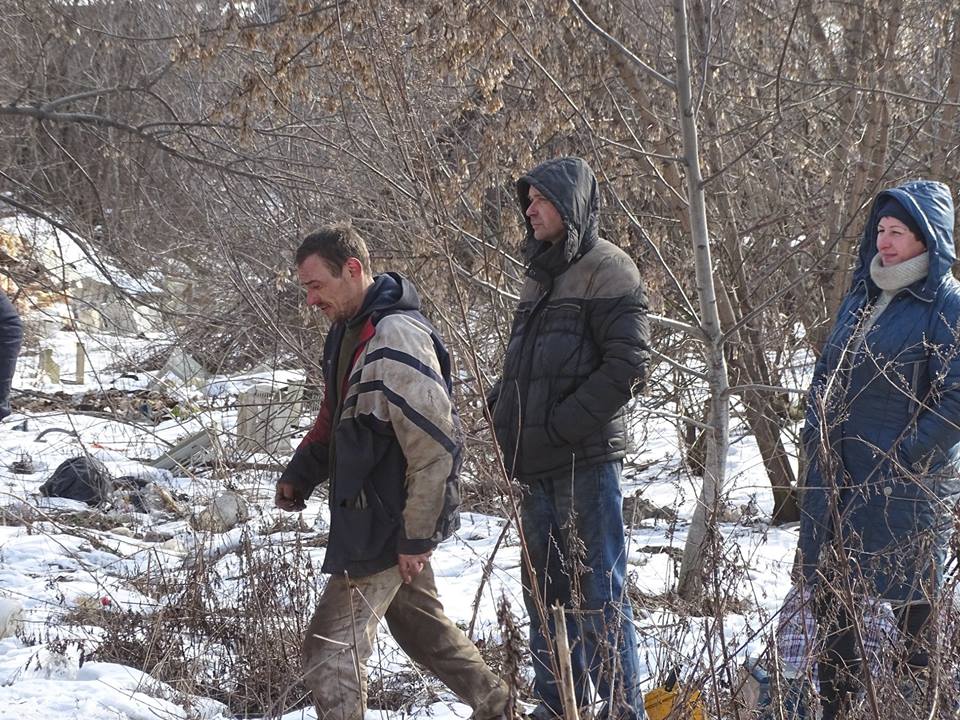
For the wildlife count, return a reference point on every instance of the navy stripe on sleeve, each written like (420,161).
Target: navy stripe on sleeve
(402,357)
(409,412)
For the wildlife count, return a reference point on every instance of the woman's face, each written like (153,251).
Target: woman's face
(895,242)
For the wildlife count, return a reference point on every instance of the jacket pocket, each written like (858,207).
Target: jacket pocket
(561,342)
(905,505)
(915,375)
(550,425)
(366,492)
(364,535)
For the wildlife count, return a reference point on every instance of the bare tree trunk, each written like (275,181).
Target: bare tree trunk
(876,137)
(692,568)
(948,125)
(749,365)
(766,430)
(872,146)
(836,270)
(746,350)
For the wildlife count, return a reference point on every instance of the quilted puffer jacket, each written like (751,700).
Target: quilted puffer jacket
(578,348)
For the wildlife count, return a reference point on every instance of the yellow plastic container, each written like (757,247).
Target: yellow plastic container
(661,704)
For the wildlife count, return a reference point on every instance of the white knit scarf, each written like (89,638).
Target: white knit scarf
(890,279)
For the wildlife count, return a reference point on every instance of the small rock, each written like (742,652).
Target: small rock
(224,513)
(174,545)
(156,537)
(10,616)
(637,509)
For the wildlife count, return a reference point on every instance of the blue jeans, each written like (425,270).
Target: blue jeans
(573,529)
(11,333)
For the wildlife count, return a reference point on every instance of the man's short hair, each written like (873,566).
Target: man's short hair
(334,244)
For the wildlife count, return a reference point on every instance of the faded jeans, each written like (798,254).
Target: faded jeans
(582,510)
(341,634)
(11,333)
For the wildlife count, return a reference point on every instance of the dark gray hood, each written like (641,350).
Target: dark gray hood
(568,183)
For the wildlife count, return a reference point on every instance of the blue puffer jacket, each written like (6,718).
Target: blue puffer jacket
(883,423)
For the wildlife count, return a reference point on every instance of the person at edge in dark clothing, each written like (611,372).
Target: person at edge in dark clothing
(577,354)
(882,436)
(388,443)
(11,335)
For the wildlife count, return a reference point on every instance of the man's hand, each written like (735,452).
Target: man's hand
(412,565)
(288,498)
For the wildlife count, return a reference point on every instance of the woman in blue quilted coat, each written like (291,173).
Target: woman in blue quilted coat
(882,436)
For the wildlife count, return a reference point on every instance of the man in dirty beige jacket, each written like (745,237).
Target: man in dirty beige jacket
(388,442)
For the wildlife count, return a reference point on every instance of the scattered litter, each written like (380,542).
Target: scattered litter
(23,465)
(82,478)
(65,431)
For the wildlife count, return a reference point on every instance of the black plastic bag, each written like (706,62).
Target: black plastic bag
(80,478)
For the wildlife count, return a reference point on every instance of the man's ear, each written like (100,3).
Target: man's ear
(354,267)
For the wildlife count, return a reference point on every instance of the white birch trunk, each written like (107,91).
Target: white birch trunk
(690,584)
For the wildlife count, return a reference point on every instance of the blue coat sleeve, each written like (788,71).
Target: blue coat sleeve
(936,431)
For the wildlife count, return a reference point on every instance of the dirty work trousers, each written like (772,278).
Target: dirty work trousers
(343,629)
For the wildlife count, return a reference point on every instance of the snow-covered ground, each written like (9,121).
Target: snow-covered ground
(62,573)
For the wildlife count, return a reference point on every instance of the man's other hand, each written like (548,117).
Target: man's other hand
(288,497)
(412,565)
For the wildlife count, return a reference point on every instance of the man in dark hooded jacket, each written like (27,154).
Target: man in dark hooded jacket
(577,354)
(388,442)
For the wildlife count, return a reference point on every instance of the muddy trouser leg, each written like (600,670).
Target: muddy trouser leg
(839,662)
(419,625)
(339,642)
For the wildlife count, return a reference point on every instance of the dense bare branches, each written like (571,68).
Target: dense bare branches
(202,139)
